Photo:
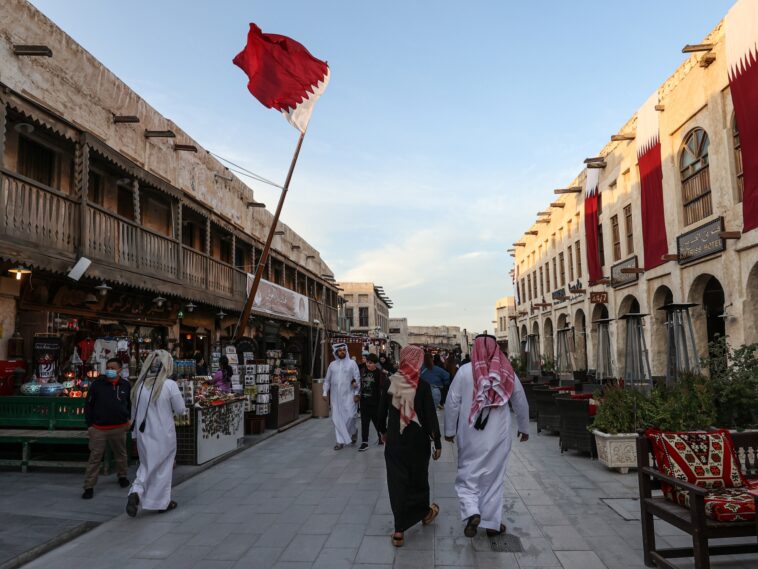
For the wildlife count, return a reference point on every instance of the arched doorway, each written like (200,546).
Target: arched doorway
(548,342)
(708,323)
(750,309)
(580,340)
(659,336)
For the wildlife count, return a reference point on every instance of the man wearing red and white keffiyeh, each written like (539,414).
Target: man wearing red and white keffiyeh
(480,391)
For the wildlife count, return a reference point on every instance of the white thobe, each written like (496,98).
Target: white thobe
(157,445)
(343,381)
(482,455)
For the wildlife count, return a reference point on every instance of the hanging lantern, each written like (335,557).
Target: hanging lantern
(159,301)
(19,272)
(221,315)
(190,307)
(103,288)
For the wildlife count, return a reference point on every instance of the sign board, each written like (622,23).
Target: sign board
(599,297)
(559,294)
(701,242)
(620,279)
(278,301)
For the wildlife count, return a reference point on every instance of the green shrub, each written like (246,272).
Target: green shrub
(734,382)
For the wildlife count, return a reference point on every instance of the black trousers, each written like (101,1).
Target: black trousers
(369,414)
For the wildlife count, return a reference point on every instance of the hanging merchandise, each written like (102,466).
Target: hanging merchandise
(47,352)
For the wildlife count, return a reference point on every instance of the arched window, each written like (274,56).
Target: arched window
(696,182)
(737,159)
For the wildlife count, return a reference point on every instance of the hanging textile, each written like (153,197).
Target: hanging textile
(591,198)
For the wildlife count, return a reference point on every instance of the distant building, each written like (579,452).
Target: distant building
(367,308)
(504,325)
(439,337)
(398,336)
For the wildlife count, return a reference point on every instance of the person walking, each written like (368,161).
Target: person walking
(155,401)
(409,426)
(373,380)
(387,364)
(478,415)
(341,381)
(107,412)
(435,376)
(451,366)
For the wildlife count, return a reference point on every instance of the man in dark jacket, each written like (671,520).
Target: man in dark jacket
(108,415)
(373,381)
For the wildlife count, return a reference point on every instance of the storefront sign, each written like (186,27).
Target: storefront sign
(559,294)
(701,242)
(286,394)
(620,279)
(278,301)
(599,297)
(47,352)
(574,287)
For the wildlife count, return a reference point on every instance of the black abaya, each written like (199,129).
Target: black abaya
(407,456)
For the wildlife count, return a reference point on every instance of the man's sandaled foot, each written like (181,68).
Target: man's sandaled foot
(494,533)
(398,539)
(434,511)
(131,504)
(472,524)
(171,506)
(339,446)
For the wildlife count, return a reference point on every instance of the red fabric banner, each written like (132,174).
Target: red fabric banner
(591,197)
(653,216)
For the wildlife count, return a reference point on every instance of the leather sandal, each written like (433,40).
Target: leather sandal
(132,503)
(493,532)
(398,539)
(434,511)
(171,506)
(339,446)
(472,525)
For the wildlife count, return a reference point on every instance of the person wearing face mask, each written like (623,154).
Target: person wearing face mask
(107,412)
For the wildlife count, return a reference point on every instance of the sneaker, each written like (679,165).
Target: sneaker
(88,493)
(364,446)
(123,481)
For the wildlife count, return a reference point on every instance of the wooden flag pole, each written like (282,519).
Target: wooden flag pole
(267,247)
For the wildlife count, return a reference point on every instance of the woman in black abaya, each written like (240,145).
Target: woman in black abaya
(408,421)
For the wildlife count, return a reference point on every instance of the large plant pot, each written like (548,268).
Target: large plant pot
(617,451)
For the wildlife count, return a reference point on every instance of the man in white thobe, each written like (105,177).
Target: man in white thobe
(343,382)
(476,412)
(155,401)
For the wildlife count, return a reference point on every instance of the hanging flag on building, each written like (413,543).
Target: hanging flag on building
(742,63)
(591,199)
(648,140)
(283,75)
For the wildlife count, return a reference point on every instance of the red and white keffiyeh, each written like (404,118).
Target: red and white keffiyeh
(494,378)
(404,383)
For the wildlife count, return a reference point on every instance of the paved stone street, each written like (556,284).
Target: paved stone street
(292,502)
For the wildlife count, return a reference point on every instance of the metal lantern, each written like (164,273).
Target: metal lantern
(636,360)
(603,357)
(681,356)
(566,349)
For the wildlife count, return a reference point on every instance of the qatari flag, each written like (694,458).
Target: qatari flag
(591,197)
(741,59)
(283,75)
(651,180)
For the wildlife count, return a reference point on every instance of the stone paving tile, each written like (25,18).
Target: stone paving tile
(580,560)
(537,553)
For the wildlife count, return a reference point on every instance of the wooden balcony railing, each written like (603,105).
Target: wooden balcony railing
(36,214)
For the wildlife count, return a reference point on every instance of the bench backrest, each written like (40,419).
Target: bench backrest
(42,412)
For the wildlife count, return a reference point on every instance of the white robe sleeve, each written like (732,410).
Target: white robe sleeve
(177,401)
(453,407)
(520,407)
(328,380)
(356,373)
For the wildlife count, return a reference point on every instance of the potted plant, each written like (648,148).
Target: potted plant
(622,413)
(734,381)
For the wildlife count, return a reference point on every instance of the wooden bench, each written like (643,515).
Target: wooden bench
(693,520)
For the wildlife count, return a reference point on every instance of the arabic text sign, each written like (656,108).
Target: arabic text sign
(279,301)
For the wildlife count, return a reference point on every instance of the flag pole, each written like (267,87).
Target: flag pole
(267,247)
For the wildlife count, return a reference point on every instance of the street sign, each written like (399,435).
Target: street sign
(599,297)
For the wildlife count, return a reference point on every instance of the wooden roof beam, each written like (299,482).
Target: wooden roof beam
(571,190)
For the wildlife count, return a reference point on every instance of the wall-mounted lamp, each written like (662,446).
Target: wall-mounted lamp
(159,300)
(103,289)
(19,271)
(190,307)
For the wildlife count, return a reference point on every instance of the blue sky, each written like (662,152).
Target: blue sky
(445,127)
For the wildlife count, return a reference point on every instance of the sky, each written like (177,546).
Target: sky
(444,129)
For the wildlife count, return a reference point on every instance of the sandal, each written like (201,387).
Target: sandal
(471,525)
(494,533)
(338,446)
(171,506)
(398,539)
(131,504)
(434,511)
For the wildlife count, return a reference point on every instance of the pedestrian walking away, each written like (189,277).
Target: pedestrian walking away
(155,401)
(342,382)
(435,376)
(408,421)
(451,366)
(478,415)
(373,380)
(107,412)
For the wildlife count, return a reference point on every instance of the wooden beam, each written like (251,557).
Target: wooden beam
(622,137)
(707,59)
(185,147)
(660,108)
(33,50)
(510,251)
(603,281)
(632,271)
(545,213)
(594,159)
(597,165)
(121,119)
(159,134)
(543,220)
(579,290)
(531,232)
(695,47)
(670,257)
(571,190)
(558,204)
(730,234)
(519,244)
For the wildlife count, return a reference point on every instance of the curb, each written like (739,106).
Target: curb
(57,541)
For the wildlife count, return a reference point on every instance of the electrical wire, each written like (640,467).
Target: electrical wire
(245,172)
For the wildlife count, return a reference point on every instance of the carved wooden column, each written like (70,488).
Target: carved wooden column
(207,252)
(137,218)
(234,263)
(178,234)
(81,183)
(3,126)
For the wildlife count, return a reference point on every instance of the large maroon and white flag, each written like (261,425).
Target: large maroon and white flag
(283,75)
(742,62)
(591,197)
(651,179)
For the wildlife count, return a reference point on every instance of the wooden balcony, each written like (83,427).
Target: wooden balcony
(42,226)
